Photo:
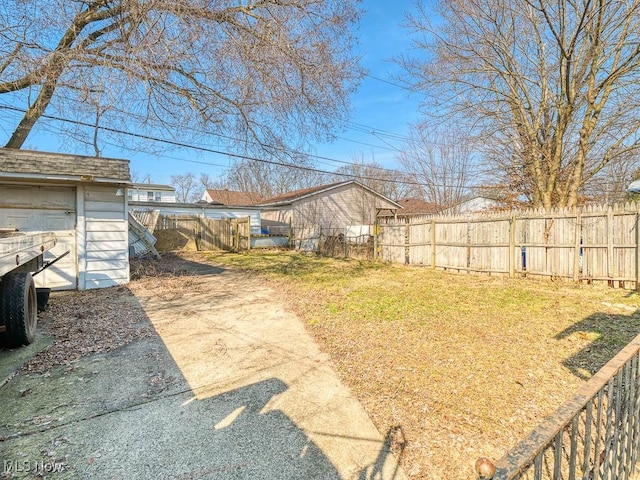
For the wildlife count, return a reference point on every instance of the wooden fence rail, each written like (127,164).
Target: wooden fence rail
(596,244)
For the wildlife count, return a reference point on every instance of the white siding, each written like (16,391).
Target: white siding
(207,211)
(106,255)
(136,194)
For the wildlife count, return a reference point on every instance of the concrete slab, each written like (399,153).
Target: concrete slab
(232,387)
(13,359)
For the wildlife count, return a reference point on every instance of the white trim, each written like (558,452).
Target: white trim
(81,238)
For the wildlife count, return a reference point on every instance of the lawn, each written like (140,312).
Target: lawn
(457,366)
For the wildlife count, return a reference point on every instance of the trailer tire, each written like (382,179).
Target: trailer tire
(18,308)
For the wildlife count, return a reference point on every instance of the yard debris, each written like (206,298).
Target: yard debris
(86,322)
(104,319)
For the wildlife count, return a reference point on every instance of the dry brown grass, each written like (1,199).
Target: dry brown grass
(463,366)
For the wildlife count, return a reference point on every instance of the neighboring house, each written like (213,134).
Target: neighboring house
(81,199)
(203,210)
(230,197)
(472,205)
(328,207)
(417,206)
(150,192)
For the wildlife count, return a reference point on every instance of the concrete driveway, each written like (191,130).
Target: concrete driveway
(232,386)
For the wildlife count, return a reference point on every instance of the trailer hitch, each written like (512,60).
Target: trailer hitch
(49,263)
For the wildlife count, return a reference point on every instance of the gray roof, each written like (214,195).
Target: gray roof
(152,186)
(289,198)
(33,164)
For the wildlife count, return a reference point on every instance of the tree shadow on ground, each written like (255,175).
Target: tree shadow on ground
(135,417)
(394,443)
(608,334)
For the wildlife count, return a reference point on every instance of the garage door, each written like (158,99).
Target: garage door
(36,209)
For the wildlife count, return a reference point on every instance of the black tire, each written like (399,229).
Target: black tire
(18,308)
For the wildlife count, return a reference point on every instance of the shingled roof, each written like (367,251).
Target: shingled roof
(234,198)
(295,195)
(417,206)
(20,163)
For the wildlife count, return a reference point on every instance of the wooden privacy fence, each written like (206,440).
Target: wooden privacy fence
(231,234)
(594,436)
(593,244)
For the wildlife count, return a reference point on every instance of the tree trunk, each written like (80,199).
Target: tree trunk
(33,113)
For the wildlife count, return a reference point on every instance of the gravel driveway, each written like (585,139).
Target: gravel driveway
(193,372)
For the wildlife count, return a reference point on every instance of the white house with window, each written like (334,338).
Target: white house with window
(151,192)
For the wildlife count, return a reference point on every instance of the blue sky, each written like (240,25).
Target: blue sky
(382,112)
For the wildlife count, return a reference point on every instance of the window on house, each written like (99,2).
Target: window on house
(129,194)
(149,196)
(157,196)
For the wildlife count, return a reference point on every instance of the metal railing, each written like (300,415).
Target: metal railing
(594,436)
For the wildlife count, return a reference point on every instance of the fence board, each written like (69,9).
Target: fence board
(597,244)
(232,234)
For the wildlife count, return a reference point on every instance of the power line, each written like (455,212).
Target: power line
(242,156)
(357,127)
(211,150)
(395,84)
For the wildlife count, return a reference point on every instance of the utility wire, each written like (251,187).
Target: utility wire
(245,157)
(211,150)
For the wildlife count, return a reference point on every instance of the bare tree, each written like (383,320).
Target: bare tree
(185,185)
(555,84)
(392,184)
(441,162)
(270,179)
(266,71)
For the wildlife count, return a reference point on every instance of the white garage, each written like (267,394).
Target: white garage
(83,201)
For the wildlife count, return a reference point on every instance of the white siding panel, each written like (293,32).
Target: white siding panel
(106,195)
(104,246)
(107,229)
(104,282)
(106,265)
(101,254)
(105,226)
(102,236)
(97,215)
(100,209)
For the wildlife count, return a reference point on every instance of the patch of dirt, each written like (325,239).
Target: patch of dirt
(88,322)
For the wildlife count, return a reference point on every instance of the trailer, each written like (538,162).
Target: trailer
(21,257)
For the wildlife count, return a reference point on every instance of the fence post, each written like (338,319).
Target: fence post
(248,233)
(637,249)
(512,246)
(433,244)
(236,237)
(200,227)
(576,248)
(376,229)
(407,241)
(610,243)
